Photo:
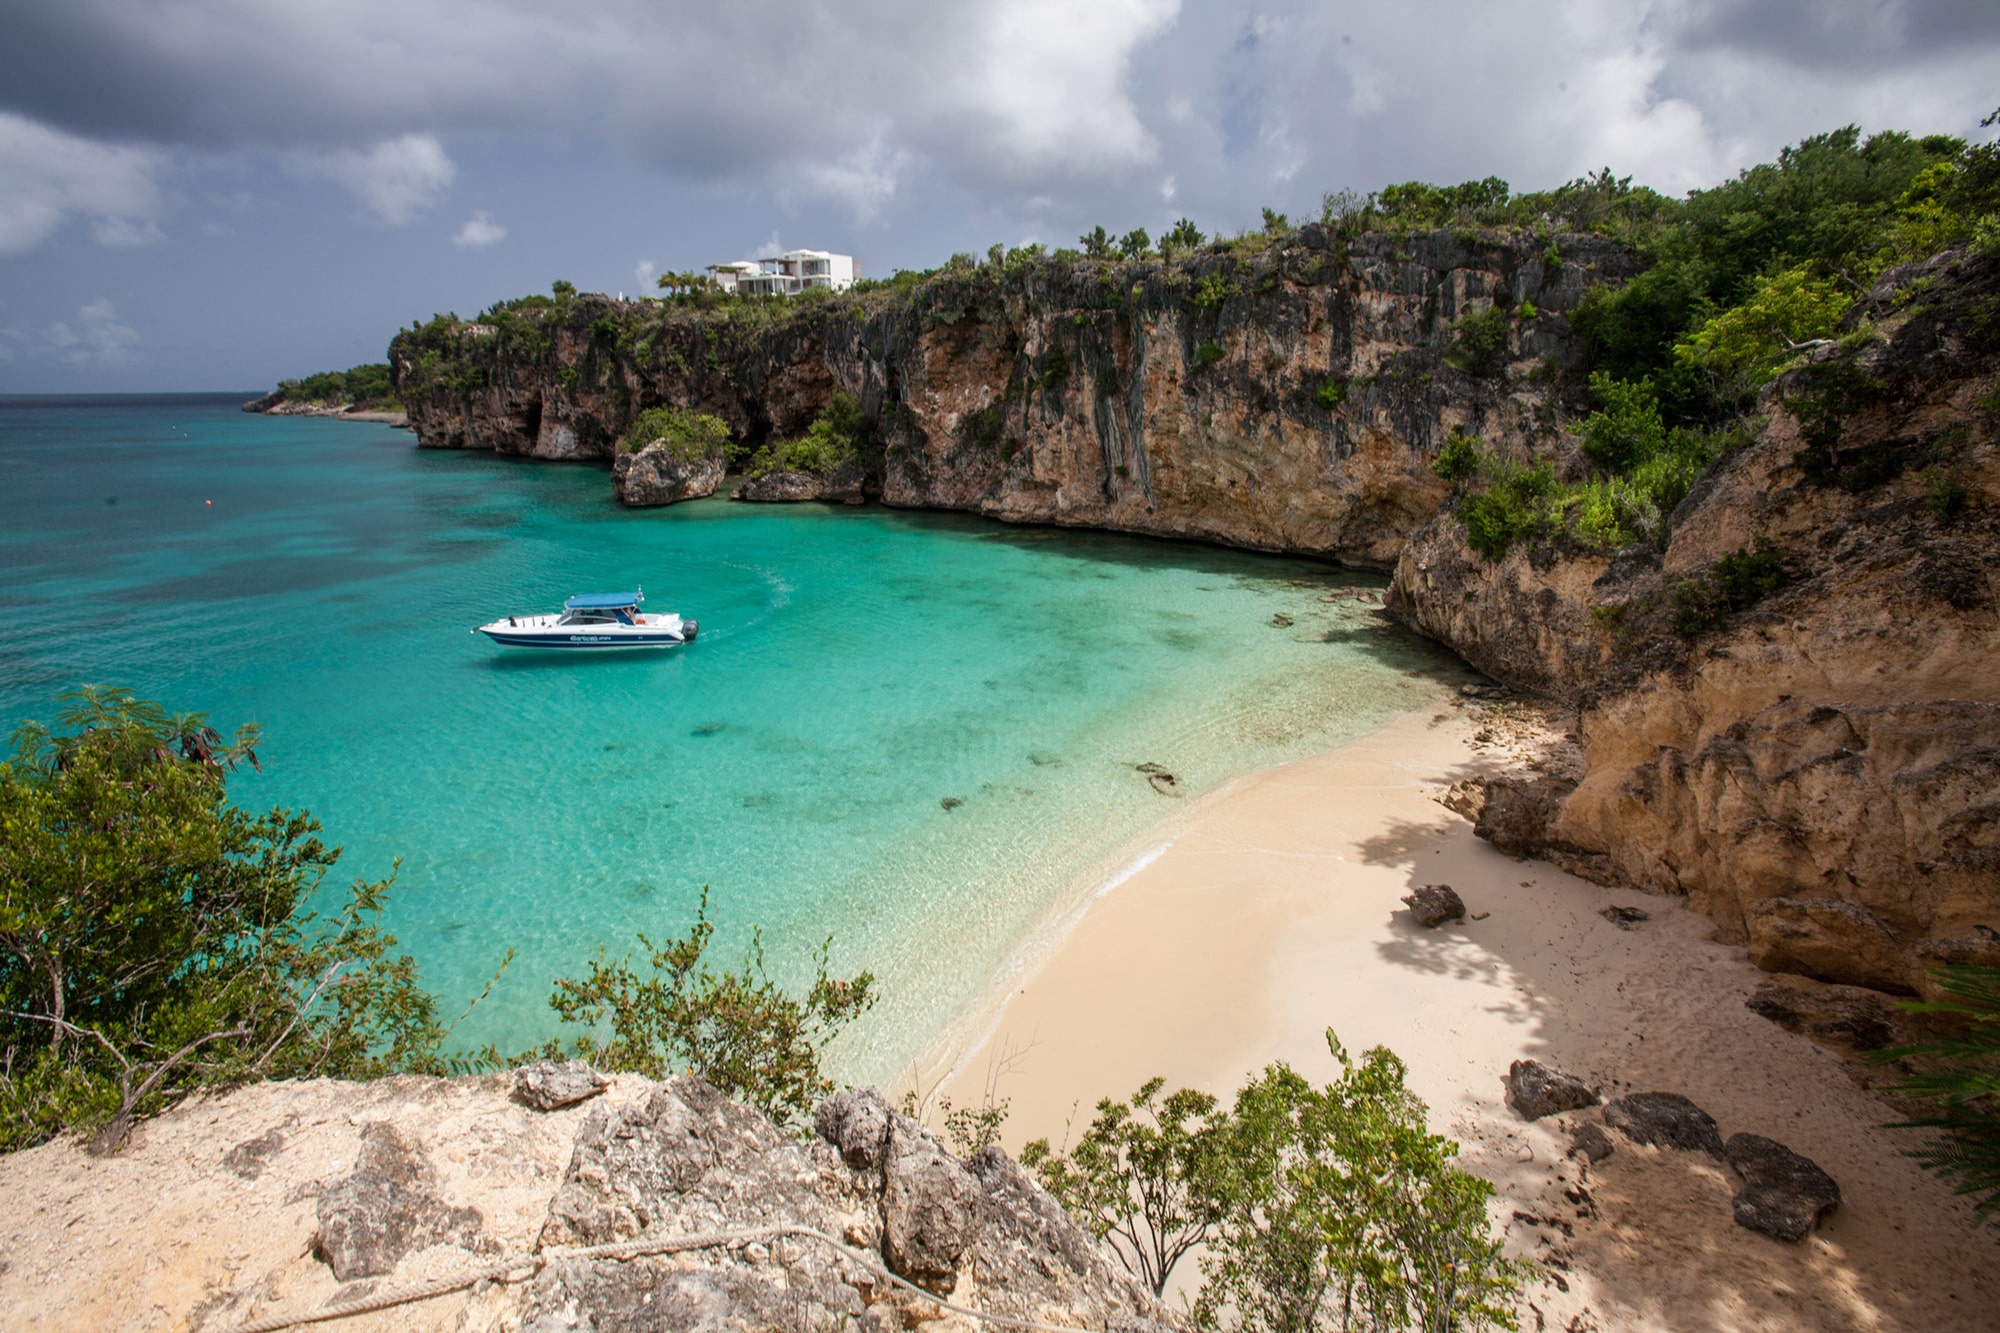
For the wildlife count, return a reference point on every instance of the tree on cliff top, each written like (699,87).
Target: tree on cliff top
(154,937)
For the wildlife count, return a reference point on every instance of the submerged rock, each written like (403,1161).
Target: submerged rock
(1665,1120)
(1783,1195)
(1536,1091)
(1434,904)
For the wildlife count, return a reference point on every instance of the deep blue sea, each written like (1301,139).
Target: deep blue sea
(856,670)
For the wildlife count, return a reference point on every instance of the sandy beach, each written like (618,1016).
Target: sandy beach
(1237,931)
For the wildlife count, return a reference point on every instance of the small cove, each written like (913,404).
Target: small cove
(909,731)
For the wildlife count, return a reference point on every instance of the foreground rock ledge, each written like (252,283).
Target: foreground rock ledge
(282,1199)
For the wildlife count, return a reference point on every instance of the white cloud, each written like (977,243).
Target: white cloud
(98,341)
(126,233)
(645,273)
(864,180)
(479,231)
(47,176)
(398,179)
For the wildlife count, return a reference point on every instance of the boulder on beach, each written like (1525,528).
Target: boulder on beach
(1783,1195)
(1434,904)
(1665,1120)
(1536,1091)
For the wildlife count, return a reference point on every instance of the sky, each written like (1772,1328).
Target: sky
(216,194)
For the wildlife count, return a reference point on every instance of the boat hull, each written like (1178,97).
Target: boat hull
(544,632)
(577,642)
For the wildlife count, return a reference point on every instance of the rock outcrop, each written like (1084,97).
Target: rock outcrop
(845,484)
(336,1191)
(657,475)
(1288,398)
(1783,1195)
(1817,770)
(1536,1091)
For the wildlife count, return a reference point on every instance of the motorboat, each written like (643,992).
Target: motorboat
(593,620)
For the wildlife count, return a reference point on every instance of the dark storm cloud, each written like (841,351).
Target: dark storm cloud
(1051,113)
(1845,33)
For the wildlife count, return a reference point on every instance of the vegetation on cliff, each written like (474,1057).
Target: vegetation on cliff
(155,939)
(359,388)
(1746,280)
(688,437)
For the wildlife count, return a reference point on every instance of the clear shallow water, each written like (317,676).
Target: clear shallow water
(855,669)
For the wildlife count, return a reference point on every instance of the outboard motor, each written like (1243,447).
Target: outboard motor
(688,630)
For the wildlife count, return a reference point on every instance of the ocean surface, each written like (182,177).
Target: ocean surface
(912,732)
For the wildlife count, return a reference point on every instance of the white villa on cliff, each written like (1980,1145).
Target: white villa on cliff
(787,274)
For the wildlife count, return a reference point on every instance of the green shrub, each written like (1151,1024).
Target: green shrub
(1479,341)
(1958,1076)
(1341,1210)
(1513,508)
(1213,291)
(1627,429)
(1946,493)
(1332,393)
(1144,1177)
(735,1029)
(843,433)
(1461,458)
(155,939)
(1735,582)
(1207,354)
(690,436)
(362,386)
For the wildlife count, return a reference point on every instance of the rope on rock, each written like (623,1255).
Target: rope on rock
(525,1266)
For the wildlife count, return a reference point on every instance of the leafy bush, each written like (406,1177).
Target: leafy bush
(841,434)
(1479,341)
(154,938)
(1145,1177)
(1735,582)
(1627,429)
(735,1029)
(1320,1208)
(1183,236)
(1207,354)
(1461,458)
(1341,1211)
(691,437)
(1332,393)
(1213,291)
(1513,508)
(1751,342)
(1135,244)
(1959,1077)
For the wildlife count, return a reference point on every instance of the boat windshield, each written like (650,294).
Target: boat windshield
(593,617)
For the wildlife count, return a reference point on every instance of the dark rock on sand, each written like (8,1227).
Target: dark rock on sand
(1434,904)
(1783,1195)
(1535,1090)
(1665,1120)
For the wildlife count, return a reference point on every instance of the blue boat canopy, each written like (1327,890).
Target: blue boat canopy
(602,601)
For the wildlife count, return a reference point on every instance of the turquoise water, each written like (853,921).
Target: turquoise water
(856,670)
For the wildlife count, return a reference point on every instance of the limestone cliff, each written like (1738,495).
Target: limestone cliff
(651,1205)
(1818,769)
(1286,396)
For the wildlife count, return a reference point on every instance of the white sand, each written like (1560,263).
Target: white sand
(1270,909)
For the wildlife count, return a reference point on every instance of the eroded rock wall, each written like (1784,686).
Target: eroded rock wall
(1288,400)
(1819,772)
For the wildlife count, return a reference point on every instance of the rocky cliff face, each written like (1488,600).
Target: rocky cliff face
(1284,398)
(1819,771)
(655,1205)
